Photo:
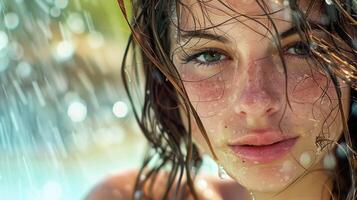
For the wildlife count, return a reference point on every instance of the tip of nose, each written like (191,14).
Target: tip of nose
(254,110)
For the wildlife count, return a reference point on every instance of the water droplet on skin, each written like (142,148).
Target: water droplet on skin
(208,194)
(305,159)
(202,184)
(142,177)
(138,194)
(221,172)
(329,161)
(329,2)
(252,196)
(287,166)
(286,178)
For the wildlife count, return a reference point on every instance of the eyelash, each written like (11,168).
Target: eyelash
(194,57)
(296,56)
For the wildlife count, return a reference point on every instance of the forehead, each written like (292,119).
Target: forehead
(244,6)
(201,9)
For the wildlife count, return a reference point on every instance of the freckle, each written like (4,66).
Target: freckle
(225,127)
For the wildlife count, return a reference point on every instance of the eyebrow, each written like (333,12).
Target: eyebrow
(204,34)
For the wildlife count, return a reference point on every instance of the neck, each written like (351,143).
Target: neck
(315,185)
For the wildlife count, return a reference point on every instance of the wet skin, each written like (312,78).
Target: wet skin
(236,82)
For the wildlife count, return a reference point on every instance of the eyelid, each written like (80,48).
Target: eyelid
(195,53)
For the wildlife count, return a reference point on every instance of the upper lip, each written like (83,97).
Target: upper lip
(260,137)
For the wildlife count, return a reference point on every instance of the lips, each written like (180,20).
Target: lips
(262,146)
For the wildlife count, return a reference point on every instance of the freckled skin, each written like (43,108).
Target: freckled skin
(253,76)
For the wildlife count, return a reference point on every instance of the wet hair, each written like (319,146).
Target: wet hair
(157,107)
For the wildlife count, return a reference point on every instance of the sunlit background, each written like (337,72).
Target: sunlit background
(65,122)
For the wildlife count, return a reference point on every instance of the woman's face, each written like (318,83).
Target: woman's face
(235,79)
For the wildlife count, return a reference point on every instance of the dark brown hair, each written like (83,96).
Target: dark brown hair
(157,112)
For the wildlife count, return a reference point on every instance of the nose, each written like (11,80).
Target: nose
(258,96)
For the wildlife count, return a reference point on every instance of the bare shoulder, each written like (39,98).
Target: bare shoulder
(121,186)
(117,187)
(212,187)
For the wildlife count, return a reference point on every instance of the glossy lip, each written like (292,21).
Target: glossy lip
(262,146)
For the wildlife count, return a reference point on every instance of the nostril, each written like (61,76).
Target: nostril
(270,110)
(239,110)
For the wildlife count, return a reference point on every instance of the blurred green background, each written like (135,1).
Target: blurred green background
(65,122)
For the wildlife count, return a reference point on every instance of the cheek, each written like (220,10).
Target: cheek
(211,89)
(207,89)
(309,87)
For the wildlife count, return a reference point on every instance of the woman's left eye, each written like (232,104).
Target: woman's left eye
(299,49)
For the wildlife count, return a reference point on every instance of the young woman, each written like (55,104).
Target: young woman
(265,87)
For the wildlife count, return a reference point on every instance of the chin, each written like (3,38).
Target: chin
(268,177)
(264,183)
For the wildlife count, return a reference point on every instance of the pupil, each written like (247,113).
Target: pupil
(211,56)
(301,49)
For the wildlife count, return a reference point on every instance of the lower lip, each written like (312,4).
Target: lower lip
(264,153)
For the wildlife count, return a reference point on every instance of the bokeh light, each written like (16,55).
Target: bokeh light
(120,109)
(61,97)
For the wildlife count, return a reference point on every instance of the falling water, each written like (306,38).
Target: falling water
(61,100)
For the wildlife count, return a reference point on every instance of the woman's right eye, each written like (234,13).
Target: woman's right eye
(206,58)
